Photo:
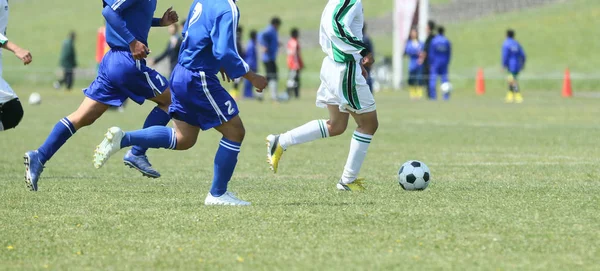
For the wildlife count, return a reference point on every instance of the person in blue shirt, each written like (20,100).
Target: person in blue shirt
(252,59)
(414,51)
(122,74)
(269,42)
(513,60)
(440,54)
(199,102)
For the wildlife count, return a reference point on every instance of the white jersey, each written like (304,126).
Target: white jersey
(6,92)
(340,34)
(342,83)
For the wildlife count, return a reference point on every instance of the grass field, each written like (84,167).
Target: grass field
(515,187)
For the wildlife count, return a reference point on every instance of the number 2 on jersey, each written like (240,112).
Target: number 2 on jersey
(230,109)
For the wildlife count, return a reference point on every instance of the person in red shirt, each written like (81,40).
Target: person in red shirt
(295,64)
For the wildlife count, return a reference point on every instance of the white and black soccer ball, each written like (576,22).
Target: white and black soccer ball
(35,98)
(414,175)
(446,87)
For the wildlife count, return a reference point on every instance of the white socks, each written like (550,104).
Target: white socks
(358,151)
(273,88)
(308,132)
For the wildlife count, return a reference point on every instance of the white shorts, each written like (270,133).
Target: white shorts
(6,92)
(342,84)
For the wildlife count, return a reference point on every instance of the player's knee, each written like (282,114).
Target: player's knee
(237,134)
(336,128)
(11,114)
(185,143)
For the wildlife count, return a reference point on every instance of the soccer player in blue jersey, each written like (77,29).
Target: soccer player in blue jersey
(198,99)
(513,60)
(439,54)
(122,74)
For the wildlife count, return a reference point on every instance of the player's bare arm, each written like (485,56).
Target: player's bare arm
(22,54)
(258,81)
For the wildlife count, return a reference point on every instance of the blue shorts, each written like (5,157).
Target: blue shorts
(121,77)
(199,99)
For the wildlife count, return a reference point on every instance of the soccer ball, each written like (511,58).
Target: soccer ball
(414,175)
(35,98)
(446,87)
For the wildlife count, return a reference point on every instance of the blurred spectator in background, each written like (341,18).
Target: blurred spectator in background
(269,41)
(252,59)
(367,41)
(513,60)
(426,59)
(235,91)
(414,50)
(68,62)
(172,49)
(295,64)
(101,45)
(439,54)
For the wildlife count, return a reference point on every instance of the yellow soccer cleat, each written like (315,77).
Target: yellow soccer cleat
(274,152)
(518,98)
(419,92)
(357,185)
(510,97)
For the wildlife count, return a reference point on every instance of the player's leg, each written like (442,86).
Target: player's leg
(182,137)
(291,83)
(365,115)
(444,78)
(11,113)
(510,94)
(412,90)
(272,77)
(359,144)
(433,76)
(152,86)
(88,112)
(516,88)
(310,131)
(297,85)
(420,83)
(226,158)
(69,79)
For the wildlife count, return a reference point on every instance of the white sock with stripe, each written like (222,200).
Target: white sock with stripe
(308,132)
(358,151)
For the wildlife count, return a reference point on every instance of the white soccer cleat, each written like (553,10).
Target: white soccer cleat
(109,146)
(226,199)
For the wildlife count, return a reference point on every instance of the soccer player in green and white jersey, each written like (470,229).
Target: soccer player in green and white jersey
(343,91)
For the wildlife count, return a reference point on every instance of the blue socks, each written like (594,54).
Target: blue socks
(152,137)
(225,161)
(62,131)
(157,117)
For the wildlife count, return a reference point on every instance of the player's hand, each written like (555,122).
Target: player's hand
(258,81)
(368,60)
(225,76)
(170,17)
(364,72)
(24,55)
(139,50)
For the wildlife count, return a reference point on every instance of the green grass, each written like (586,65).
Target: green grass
(552,38)
(515,187)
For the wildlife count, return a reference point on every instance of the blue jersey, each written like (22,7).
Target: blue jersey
(209,39)
(136,18)
(269,38)
(440,51)
(513,56)
(414,48)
